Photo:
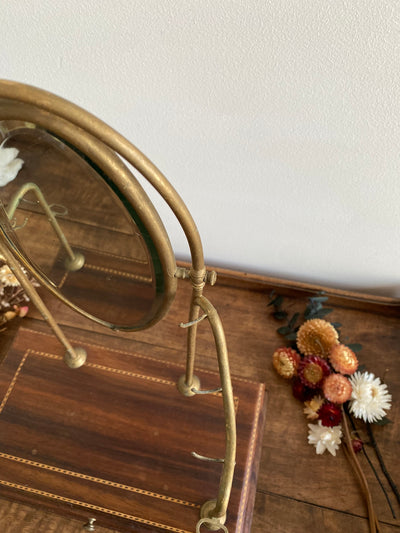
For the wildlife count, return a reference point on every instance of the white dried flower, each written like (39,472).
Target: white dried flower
(10,164)
(324,438)
(370,398)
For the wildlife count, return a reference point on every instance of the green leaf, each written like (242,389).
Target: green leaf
(383,421)
(271,297)
(315,308)
(284,330)
(280,315)
(308,313)
(293,320)
(355,347)
(319,299)
(323,312)
(276,302)
(291,336)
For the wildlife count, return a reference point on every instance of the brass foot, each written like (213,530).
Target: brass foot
(206,512)
(76,263)
(185,389)
(90,525)
(212,523)
(76,358)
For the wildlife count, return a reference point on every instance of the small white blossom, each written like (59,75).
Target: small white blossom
(324,438)
(370,398)
(10,164)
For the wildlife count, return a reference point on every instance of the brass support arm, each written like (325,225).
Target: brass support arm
(75,261)
(197,278)
(184,273)
(74,357)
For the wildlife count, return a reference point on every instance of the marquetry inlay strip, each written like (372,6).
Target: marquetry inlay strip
(91,506)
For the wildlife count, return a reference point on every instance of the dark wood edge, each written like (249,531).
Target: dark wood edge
(258,282)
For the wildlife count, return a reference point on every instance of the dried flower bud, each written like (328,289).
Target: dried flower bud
(316,337)
(312,370)
(330,414)
(357,445)
(286,361)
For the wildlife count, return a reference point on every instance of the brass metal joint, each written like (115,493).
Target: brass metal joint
(75,263)
(89,526)
(75,357)
(188,389)
(211,522)
(185,273)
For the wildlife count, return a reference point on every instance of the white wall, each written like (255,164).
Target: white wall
(277,121)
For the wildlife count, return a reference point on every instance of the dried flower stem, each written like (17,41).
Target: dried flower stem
(380,483)
(356,431)
(373,521)
(381,462)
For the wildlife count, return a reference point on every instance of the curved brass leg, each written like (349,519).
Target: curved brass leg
(221,504)
(214,510)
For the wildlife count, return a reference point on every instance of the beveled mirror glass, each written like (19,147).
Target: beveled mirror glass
(77,230)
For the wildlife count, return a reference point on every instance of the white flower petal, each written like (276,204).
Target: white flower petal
(10,172)
(324,438)
(370,398)
(10,165)
(7,155)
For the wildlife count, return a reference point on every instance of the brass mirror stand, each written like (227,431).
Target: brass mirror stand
(213,512)
(21,102)
(74,357)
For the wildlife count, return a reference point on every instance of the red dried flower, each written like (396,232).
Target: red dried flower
(312,370)
(330,414)
(357,445)
(286,361)
(301,392)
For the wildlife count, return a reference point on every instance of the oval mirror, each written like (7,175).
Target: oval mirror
(81,222)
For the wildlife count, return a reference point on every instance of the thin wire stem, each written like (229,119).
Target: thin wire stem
(373,521)
(381,462)
(373,468)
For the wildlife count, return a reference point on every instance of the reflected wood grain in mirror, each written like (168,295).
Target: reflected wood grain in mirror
(99,259)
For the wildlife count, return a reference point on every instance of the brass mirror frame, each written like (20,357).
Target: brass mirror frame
(123,180)
(101,143)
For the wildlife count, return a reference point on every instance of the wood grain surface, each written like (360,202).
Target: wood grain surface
(115,437)
(297,490)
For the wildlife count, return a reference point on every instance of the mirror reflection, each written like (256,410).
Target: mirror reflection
(73,228)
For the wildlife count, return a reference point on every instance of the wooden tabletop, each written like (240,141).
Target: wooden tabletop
(297,489)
